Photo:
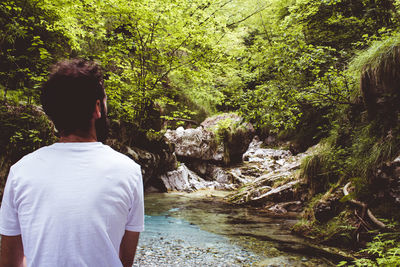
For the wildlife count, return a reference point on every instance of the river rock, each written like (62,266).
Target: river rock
(278,181)
(222,139)
(256,153)
(182,179)
(186,180)
(236,134)
(201,167)
(146,160)
(284,207)
(221,176)
(195,143)
(212,172)
(283,192)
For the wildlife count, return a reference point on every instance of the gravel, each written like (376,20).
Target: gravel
(169,241)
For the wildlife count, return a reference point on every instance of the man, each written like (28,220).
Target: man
(76,202)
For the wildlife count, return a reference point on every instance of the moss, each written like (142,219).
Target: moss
(372,58)
(283,180)
(323,168)
(336,232)
(232,133)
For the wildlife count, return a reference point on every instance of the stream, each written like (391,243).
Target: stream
(200,229)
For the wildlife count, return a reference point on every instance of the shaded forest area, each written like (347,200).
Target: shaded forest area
(304,71)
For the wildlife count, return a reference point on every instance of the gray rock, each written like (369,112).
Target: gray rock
(284,192)
(202,142)
(195,143)
(284,207)
(274,166)
(182,179)
(221,176)
(186,180)
(255,153)
(212,172)
(152,163)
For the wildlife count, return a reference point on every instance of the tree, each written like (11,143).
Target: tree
(29,45)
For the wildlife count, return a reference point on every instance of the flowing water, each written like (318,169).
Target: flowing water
(199,229)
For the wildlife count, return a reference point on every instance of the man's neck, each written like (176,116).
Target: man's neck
(75,138)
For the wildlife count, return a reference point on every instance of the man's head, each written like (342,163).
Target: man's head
(70,95)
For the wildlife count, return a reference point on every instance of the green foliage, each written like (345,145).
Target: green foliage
(337,231)
(372,57)
(151,51)
(268,61)
(384,250)
(152,56)
(324,167)
(23,129)
(224,129)
(178,117)
(29,45)
(296,55)
(340,23)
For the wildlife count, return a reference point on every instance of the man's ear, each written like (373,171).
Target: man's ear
(97,110)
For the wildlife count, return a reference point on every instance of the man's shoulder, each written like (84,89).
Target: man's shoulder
(31,157)
(120,158)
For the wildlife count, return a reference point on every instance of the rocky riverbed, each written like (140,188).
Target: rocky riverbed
(199,229)
(169,241)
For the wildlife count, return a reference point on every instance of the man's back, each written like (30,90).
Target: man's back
(73,203)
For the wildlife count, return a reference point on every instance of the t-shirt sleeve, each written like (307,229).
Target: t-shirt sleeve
(9,223)
(136,214)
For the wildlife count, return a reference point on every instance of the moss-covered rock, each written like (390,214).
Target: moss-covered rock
(233,133)
(222,139)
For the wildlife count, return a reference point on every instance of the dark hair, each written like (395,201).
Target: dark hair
(69,95)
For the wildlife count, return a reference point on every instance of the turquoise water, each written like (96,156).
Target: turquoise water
(202,230)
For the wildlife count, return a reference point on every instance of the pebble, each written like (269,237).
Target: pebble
(187,247)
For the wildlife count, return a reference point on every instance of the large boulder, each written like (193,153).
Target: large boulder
(182,179)
(195,144)
(256,153)
(233,133)
(221,139)
(211,172)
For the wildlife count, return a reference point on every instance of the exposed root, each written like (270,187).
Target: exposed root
(364,209)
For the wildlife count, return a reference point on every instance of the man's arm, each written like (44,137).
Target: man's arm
(128,246)
(11,251)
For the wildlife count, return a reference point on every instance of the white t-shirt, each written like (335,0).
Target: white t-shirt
(72,203)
